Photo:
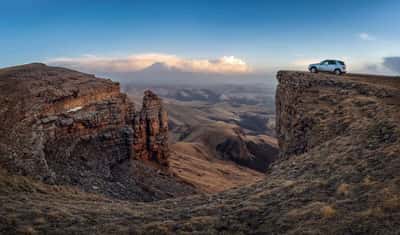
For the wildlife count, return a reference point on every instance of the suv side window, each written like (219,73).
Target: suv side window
(325,62)
(331,62)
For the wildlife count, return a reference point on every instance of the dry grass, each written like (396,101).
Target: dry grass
(28,230)
(372,212)
(392,203)
(368,181)
(328,211)
(191,163)
(343,189)
(40,220)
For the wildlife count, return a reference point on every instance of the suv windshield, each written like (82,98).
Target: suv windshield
(341,62)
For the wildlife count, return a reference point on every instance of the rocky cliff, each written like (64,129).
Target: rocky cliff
(151,131)
(338,174)
(66,127)
(313,109)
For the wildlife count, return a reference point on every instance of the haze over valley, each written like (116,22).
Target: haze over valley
(221,126)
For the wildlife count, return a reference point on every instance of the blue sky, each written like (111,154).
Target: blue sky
(266,35)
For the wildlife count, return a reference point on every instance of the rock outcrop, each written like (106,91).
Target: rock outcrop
(66,127)
(151,131)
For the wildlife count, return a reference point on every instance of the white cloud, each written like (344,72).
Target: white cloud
(366,37)
(137,62)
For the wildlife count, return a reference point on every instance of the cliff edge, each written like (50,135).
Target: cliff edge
(69,128)
(315,108)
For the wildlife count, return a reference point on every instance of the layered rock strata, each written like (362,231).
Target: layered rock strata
(66,127)
(151,131)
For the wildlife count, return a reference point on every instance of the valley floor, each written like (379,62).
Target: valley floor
(195,165)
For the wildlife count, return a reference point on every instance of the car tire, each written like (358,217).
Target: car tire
(338,72)
(313,70)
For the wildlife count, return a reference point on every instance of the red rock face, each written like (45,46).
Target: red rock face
(66,127)
(151,131)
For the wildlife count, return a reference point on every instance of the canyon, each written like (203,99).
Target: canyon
(64,127)
(336,173)
(221,135)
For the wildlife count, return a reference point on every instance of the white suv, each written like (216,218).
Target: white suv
(335,66)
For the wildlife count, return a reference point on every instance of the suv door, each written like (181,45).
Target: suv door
(331,66)
(324,66)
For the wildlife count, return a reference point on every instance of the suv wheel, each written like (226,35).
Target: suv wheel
(338,72)
(313,70)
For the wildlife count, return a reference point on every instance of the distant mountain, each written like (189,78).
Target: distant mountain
(160,73)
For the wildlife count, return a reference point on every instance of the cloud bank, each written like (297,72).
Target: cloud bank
(138,62)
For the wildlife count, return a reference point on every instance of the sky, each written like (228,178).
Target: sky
(206,37)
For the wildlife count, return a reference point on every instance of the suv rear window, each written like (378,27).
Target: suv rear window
(341,62)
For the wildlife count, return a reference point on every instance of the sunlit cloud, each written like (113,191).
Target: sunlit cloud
(366,37)
(137,62)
